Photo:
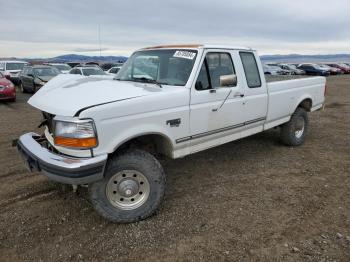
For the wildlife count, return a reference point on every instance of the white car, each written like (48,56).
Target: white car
(167,100)
(12,69)
(63,68)
(114,70)
(94,71)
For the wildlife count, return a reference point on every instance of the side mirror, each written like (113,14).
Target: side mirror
(228,80)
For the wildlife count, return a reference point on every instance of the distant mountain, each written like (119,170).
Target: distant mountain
(74,58)
(292,58)
(295,58)
(84,58)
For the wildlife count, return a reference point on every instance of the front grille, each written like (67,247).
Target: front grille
(48,121)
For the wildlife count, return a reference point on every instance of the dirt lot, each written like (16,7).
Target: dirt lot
(252,199)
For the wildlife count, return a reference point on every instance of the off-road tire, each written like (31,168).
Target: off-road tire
(288,135)
(142,162)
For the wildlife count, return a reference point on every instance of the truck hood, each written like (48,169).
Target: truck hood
(67,94)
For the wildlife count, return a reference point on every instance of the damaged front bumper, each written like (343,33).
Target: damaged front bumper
(61,168)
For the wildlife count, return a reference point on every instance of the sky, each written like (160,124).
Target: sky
(48,28)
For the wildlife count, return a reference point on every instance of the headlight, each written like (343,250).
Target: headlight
(40,82)
(9,86)
(79,134)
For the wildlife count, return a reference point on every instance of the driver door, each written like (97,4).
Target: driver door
(216,112)
(28,79)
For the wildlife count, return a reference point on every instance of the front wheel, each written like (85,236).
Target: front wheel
(132,189)
(21,87)
(293,133)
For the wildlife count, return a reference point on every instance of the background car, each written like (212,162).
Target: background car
(7,89)
(292,69)
(272,70)
(63,68)
(281,71)
(107,66)
(34,77)
(314,69)
(332,70)
(12,69)
(114,70)
(91,70)
(345,68)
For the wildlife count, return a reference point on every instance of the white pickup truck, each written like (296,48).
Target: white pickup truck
(165,101)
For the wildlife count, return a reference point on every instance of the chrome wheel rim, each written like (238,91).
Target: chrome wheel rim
(299,127)
(128,189)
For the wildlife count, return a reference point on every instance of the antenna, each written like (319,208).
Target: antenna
(99,38)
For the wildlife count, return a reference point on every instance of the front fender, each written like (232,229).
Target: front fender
(139,131)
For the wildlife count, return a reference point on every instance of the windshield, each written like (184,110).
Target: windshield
(62,67)
(324,66)
(15,66)
(291,66)
(46,71)
(93,71)
(166,66)
(317,66)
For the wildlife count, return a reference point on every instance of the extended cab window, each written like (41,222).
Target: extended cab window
(251,69)
(214,66)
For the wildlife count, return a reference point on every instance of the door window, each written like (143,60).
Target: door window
(214,66)
(30,71)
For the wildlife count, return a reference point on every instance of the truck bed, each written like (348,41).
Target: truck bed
(287,92)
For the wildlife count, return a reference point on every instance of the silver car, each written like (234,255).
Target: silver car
(292,69)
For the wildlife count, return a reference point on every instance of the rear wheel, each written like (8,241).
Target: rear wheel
(293,133)
(132,189)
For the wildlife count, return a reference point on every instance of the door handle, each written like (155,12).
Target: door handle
(238,94)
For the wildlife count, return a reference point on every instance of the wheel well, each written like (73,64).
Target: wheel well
(155,144)
(306,104)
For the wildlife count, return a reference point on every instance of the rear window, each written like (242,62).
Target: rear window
(15,66)
(251,69)
(93,71)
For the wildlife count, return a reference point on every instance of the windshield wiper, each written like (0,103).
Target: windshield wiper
(147,80)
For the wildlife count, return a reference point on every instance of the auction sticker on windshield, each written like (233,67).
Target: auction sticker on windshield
(185,54)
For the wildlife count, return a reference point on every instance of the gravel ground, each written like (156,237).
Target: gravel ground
(248,200)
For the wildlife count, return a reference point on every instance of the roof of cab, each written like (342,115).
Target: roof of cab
(198,46)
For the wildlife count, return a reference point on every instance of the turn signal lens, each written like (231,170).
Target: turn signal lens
(76,142)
